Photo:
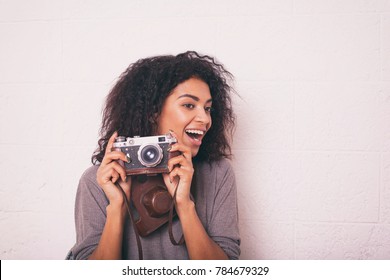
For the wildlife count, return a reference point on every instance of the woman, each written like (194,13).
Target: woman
(187,95)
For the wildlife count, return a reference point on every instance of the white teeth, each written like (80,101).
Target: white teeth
(195,131)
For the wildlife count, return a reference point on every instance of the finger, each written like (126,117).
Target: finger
(105,175)
(185,151)
(173,134)
(167,180)
(176,173)
(176,161)
(108,175)
(114,155)
(172,175)
(119,170)
(111,142)
(111,170)
(180,161)
(114,177)
(169,183)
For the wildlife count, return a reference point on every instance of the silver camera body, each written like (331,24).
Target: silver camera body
(145,155)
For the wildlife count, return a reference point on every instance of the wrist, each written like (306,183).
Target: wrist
(116,210)
(184,208)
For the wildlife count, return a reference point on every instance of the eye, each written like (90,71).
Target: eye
(209,109)
(189,106)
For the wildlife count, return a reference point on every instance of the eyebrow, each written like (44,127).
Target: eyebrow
(193,97)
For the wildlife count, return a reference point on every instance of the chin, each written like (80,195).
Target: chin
(194,153)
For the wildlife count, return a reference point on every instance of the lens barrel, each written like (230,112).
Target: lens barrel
(150,155)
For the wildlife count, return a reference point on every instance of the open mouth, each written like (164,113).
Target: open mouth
(195,134)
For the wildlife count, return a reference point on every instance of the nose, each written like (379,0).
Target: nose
(203,116)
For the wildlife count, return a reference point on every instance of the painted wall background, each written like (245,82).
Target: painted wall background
(312,146)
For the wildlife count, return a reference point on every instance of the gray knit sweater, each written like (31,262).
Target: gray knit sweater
(216,205)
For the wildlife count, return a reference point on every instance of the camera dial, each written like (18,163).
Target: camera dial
(120,139)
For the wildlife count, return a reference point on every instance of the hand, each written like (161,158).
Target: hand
(111,172)
(181,173)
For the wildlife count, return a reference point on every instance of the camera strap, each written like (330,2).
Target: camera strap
(138,239)
(170,222)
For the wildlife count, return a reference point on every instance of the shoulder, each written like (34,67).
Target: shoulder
(89,174)
(218,173)
(89,188)
(88,179)
(224,165)
(216,167)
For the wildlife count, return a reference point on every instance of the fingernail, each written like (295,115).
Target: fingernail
(128,158)
(169,149)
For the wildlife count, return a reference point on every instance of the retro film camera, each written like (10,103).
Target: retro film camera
(147,157)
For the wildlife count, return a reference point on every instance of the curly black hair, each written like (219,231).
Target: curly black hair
(135,102)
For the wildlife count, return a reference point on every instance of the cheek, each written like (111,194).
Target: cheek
(178,118)
(169,120)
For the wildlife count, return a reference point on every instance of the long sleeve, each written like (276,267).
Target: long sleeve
(217,188)
(90,215)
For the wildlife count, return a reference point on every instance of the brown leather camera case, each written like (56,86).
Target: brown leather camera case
(152,202)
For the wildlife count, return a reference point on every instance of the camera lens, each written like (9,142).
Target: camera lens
(150,155)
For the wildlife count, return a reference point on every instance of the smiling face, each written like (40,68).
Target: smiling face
(186,111)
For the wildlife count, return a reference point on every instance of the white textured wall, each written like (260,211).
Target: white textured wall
(313,139)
